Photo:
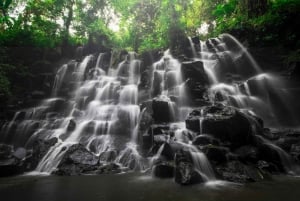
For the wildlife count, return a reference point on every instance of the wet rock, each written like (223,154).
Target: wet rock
(247,153)
(164,170)
(224,123)
(76,161)
(167,153)
(10,167)
(124,69)
(185,173)
(185,136)
(236,171)
(270,135)
(111,168)
(149,57)
(144,80)
(162,110)
(79,155)
(20,116)
(160,139)
(108,156)
(171,79)
(194,70)
(216,154)
(205,140)
(273,154)
(39,148)
(106,61)
(156,86)
(147,142)
(58,105)
(196,93)
(71,126)
(11,162)
(71,66)
(5,151)
(286,142)
(145,131)
(268,167)
(159,129)
(20,153)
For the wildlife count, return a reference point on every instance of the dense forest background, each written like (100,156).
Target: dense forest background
(35,34)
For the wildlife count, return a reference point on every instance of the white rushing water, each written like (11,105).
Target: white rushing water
(101,110)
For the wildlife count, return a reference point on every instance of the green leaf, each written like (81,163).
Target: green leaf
(6,4)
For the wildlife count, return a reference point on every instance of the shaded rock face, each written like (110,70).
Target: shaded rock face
(77,160)
(194,70)
(163,111)
(39,149)
(204,139)
(185,172)
(157,88)
(223,123)
(236,171)
(216,154)
(196,82)
(12,162)
(163,170)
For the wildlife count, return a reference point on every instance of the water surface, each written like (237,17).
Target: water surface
(137,187)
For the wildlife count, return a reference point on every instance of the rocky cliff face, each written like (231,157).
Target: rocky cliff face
(201,117)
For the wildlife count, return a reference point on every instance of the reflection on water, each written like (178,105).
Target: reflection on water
(136,187)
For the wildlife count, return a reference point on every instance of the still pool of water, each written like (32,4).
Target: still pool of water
(136,187)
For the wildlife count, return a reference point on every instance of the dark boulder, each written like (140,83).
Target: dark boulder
(196,93)
(124,68)
(216,154)
(160,139)
(11,162)
(156,86)
(162,110)
(166,151)
(39,148)
(20,153)
(268,167)
(10,167)
(71,126)
(171,79)
(76,161)
(204,139)
(194,70)
(196,82)
(273,154)
(247,153)
(110,168)
(238,172)
(185,172)
(163,170)
(224,123)
(5,151)
(108,156)
(149,57)
(159,129)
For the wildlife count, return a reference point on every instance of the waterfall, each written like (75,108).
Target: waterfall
(192,47)
(101,109)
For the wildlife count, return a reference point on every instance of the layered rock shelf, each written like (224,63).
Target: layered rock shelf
(196,119)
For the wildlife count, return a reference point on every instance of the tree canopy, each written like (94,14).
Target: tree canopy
(132,24)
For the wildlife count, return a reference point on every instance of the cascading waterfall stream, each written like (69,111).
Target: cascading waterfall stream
(102,110)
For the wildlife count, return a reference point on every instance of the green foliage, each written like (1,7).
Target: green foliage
(143,24)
